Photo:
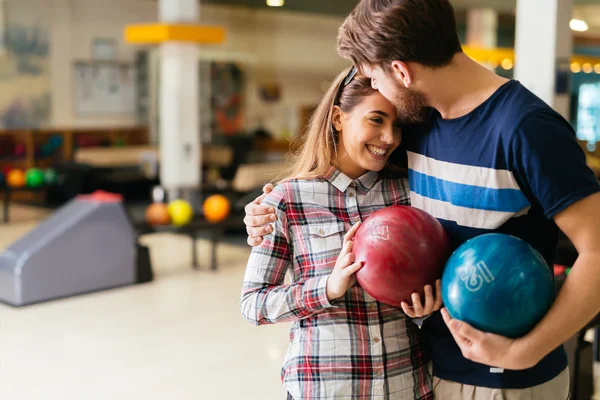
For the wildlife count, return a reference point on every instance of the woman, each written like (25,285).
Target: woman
(344,344)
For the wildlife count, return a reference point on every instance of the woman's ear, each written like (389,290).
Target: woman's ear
(337,118)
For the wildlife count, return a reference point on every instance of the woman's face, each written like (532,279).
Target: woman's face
(367,135)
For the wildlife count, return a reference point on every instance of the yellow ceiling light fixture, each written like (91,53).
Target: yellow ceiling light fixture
(578,25)
(161,33)
(597,68)
(575,68)
(587,68)
(275,3)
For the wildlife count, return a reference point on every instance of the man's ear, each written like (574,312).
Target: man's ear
(401,73)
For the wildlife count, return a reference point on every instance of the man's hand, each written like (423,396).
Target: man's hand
(259,217)
(488,348)
(417,310)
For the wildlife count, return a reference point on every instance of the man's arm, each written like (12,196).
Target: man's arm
(579,299)
(577,303)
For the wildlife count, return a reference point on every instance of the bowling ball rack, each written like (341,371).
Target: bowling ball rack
(193,230)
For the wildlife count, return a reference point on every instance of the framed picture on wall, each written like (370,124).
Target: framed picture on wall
(103,88)
(104,49)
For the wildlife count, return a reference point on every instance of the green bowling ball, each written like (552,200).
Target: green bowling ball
(50,176)
(34,177)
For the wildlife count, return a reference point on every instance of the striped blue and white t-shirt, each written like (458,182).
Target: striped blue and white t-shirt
(509,166)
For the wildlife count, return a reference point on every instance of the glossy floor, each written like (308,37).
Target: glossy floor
(179,337)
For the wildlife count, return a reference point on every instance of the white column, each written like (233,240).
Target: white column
(543,49)
(179,114)
(482,28)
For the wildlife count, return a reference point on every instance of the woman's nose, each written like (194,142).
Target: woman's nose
(387,136)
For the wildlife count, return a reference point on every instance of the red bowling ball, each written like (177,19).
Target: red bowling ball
(403,249)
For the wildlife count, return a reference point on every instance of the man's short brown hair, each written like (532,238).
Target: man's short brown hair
(381,31)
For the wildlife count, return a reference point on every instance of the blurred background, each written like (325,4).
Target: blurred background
(130,145)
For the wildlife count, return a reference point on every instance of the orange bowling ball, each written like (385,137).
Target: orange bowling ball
(15,178)
(158,214)
(216,208)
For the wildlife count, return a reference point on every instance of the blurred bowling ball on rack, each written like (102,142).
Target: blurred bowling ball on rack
(15,178)
(83,141)
(181,212)
(47,149)
(497,283)
(403,249)
(6,169)
(157,214)
(216,208)
(34,177)
(19,150)
(50,176)
(559,270)
(56,141)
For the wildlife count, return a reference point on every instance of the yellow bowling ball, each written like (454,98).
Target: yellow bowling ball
(181,212)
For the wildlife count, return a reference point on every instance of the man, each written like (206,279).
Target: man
(486,156)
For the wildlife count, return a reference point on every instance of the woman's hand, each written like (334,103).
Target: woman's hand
(343,275)
(417,310)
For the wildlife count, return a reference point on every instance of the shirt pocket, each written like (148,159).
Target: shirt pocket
(325,242)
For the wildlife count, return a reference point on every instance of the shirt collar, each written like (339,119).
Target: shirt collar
(342,181)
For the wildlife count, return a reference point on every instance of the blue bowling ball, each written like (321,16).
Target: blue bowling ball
(497,283)
(56,141)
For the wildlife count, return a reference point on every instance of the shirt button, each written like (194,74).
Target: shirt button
(321,231)
(376,340)
(379,374)
(351,194)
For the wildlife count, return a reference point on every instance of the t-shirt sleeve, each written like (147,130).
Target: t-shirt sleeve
(549,163)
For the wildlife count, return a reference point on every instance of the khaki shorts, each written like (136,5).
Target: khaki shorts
(556,389)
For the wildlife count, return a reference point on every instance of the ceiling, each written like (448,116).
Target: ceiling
(588,10)
(343,7)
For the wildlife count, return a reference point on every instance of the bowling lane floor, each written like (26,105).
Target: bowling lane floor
(179,337)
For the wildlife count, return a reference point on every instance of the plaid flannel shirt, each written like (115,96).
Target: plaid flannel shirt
(354,347)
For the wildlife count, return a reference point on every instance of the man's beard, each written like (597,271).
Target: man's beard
(411,106)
